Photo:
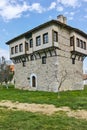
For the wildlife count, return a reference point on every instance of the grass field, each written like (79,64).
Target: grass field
(73,99)
(21,120)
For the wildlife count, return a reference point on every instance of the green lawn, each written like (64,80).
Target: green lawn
(73,99)
(20,120)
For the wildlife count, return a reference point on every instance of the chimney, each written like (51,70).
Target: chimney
(62,19)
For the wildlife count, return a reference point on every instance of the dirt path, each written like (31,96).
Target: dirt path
(43,108)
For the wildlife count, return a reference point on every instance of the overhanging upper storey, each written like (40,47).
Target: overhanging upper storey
(78,43)
(36,40)
(50,34)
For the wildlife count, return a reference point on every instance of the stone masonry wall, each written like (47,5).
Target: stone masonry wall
(44,73)
(49,75)
(73,80)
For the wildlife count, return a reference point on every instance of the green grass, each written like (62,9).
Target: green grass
(85,87)
(73,99)
(19,120)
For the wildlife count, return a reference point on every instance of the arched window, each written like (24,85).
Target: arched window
(33,80)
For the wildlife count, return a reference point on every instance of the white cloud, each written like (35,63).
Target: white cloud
(72,3)
(69,15)
(72,13)
(10,9)
(50,17)
(85,16)
(70,18)
(60,8)
(4,53)
(52,6)
(36,7)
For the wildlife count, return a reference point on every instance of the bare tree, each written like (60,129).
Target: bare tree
(60,80)
(59,75)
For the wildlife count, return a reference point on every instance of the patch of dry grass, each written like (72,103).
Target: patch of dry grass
(43,108)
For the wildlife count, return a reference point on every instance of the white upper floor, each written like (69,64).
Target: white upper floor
(44,38)
(51,34)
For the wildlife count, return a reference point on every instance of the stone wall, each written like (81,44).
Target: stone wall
(44,73)
(49,75)
(73,80)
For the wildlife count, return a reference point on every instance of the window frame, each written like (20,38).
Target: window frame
(55,36)
(31,57)
(45,38)
(26,46)
(84,45)
(24,63)
(16,49)
(72,41)
(77,42)
(81,44)
(73,61)
(31,81)
(31,42)
(44,60)
(38,40)
(21,47)
(12,50)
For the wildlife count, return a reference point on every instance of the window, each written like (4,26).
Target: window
(16,49)
(73,60)
(12,50)
(33,81)
(31,57)
(44,60)
(77,42)
(31,43)
(81,43)
(45,38)
(24,63)
(72,41)
(21,47)
(38,41)
(55,36)
(84,45)
(26,46)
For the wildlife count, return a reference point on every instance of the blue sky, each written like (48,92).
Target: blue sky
(19,16)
